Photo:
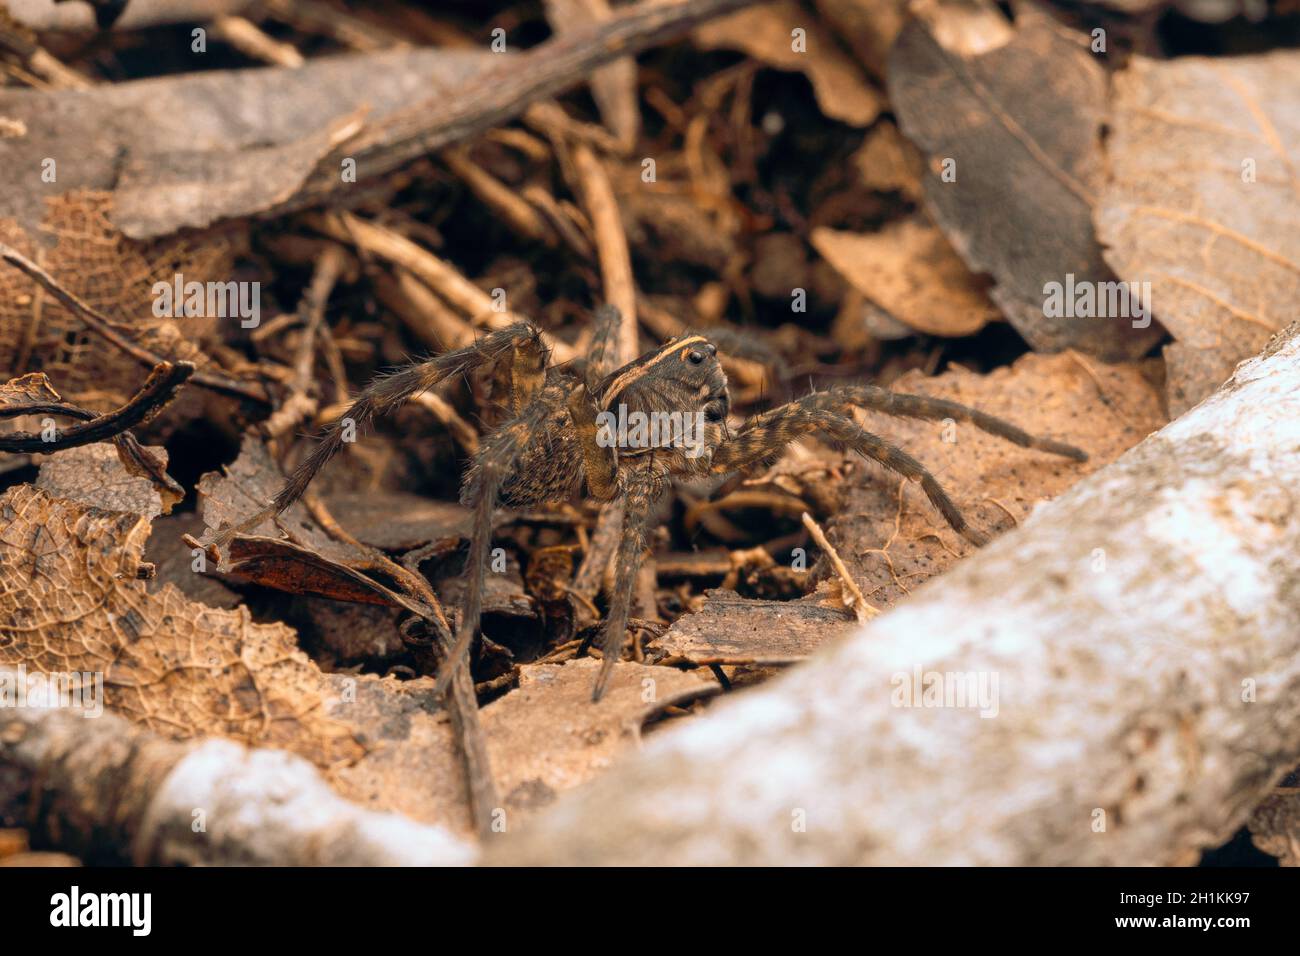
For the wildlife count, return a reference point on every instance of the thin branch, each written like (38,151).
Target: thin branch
(158,390)
(300,404)
(853,594)
(438,274)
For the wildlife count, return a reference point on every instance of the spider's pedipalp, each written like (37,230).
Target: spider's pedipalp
(599,460)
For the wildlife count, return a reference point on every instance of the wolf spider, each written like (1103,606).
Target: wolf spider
(558,438)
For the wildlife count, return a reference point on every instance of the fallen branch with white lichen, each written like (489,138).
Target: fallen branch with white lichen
(100,787)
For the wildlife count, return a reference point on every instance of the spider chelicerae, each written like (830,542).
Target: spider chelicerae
(623,434)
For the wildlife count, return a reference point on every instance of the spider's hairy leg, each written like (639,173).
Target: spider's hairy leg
(387,392)
(843,397)
(482,486)
(766,434)
(640,488)
(602,356)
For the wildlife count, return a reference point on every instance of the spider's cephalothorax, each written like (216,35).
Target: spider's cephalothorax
(666,411)
(621,434)
(668,408)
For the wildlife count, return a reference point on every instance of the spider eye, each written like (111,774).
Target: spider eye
(713,349)
(695,356)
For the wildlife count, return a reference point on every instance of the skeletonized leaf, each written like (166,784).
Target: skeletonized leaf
(1203,203)
(71,601)
(77,244)
(94,475)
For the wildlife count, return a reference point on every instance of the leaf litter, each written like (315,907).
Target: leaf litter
(312,634)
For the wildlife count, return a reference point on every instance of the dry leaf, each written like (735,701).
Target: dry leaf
(70,601)
(1203,203)
(869,27)
(543,738)
(766,33)
(888,533)
(968,28)
(860,321)
(94,475)
(399,521)
(307,561)
(909,270)
(175,565)
(1015,163)
(887,162)
(27,389)
(294,553)
(342,635)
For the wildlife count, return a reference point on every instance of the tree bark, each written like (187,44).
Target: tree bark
(1138,643)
